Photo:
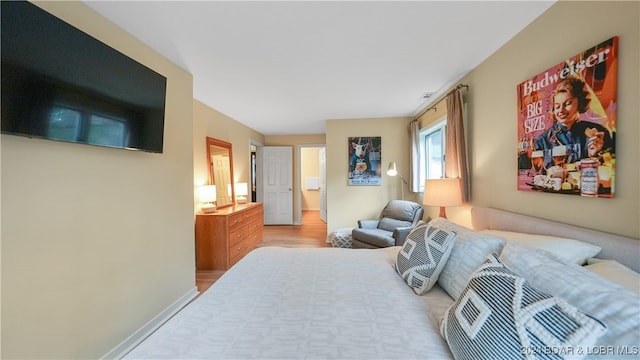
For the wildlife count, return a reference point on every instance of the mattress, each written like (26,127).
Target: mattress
(279,303)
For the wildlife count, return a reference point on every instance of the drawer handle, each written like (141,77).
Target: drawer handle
(239,248)
(238,236)
(235,221)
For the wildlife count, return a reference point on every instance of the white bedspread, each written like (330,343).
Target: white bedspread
(300,303)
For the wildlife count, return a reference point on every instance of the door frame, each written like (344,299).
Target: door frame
(258,174)
(298,174)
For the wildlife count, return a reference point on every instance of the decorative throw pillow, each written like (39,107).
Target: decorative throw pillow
(423,256)
(469,251)
(499,315)
(611,303)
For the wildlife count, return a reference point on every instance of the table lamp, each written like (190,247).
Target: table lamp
(442,192)
(207,195)
(241,191)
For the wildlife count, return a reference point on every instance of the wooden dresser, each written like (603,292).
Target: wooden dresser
(224,237)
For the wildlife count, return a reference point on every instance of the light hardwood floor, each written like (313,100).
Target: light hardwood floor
(312,233)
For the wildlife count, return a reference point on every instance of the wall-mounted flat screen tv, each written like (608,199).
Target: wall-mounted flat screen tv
(59,83)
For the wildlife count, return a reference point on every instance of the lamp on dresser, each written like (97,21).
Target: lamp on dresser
(241,190)
(207,195)
(442,192)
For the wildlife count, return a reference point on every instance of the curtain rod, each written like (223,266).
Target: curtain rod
(436,103)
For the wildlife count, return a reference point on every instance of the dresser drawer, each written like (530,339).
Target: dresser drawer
(238,235)
(252,215)
(235,221)
(255,237)
(254,226)
(238,250)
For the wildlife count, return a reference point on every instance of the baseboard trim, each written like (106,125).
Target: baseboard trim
(137,337)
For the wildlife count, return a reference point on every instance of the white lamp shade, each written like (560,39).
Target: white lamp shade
(442,192)
(241,189)
(207,193)
(392,171)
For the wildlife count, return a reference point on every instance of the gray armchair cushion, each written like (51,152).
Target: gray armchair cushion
(396,220)
(389,224)
(375,237)
(402,210)
(368,224)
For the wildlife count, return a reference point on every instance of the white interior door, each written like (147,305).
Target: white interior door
(322,159)
(221,168)
(277,185)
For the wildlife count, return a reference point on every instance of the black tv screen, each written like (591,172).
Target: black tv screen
(59,83)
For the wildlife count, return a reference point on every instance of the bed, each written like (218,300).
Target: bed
(335,303)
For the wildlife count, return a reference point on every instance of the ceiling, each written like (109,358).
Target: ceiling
(285,68)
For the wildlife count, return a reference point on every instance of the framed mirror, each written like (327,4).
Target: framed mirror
(220,163)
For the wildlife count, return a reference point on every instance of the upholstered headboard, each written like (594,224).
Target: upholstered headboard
(622,249)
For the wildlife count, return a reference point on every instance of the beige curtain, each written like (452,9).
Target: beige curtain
(456,152)
(414,157)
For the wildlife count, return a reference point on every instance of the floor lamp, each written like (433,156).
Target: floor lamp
(392,171)
(442,192)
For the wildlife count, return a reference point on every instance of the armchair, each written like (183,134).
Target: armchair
(391,228)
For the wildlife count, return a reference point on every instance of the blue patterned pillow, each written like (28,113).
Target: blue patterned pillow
(423,256)
(499,315)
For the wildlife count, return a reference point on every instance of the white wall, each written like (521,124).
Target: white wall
(96,241)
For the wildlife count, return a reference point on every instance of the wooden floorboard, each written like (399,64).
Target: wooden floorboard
(312,233)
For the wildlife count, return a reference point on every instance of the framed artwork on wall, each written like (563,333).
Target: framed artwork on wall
(567,125)
(365,161)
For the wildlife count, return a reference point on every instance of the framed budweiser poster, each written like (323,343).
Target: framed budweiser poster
(567,125)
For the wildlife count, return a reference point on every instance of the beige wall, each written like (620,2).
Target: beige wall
(96,241)
(210,122)
(566,29)
(309,167)
(294,141)
(492,127)
(347,204)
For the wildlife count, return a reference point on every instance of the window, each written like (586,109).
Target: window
(85,126)
(105,131)
(64,124)
(432,150)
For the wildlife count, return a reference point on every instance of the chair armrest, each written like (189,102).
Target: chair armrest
(368,224)
(400,234)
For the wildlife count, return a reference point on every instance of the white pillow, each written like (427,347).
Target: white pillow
(469,251)
(574,251)
(617,307)
(616,272)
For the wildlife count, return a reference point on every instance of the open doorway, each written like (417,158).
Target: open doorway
(255,164)
(311,182)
